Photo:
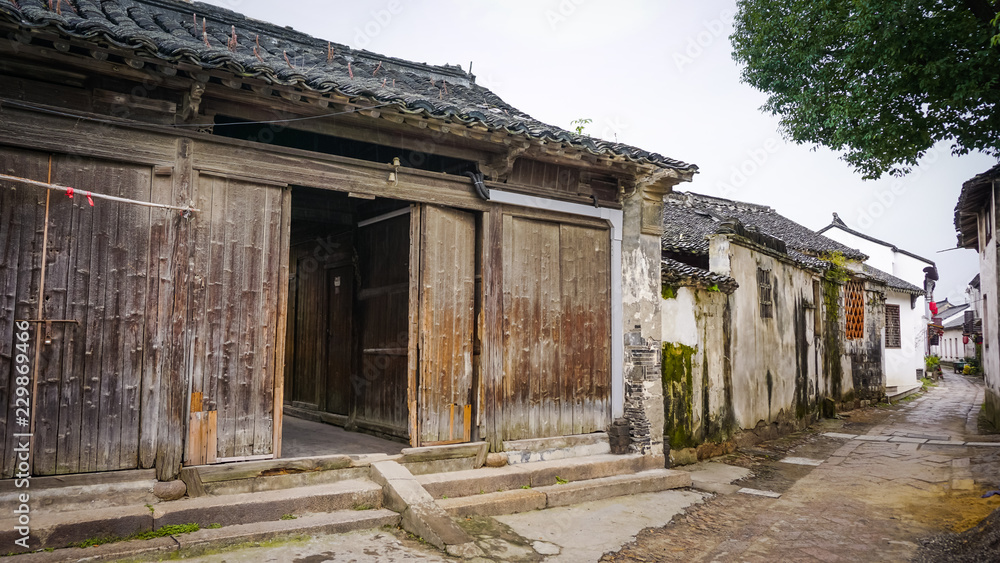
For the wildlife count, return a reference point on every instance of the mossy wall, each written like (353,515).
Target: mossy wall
(833,338)
(678,395)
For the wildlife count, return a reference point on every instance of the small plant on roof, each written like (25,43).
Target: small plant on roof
(837,262)
(579,124)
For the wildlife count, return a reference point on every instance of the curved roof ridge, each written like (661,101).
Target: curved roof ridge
(839,224)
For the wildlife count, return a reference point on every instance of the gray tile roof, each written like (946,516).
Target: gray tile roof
(678,273)
(200,34)
(974,195)
(891,281)
(688,218)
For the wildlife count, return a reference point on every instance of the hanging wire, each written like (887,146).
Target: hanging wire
(70,190)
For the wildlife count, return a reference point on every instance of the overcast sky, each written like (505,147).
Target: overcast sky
(658,75)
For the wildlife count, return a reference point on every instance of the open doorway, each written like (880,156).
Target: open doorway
(347,333)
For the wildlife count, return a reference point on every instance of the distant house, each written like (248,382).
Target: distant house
(302,228)
(906,339)
(976,224)
(765,323)
(949,346)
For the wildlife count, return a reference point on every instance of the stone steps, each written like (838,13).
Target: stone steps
(195,543)
(535,474)
(61,529)
(572,492)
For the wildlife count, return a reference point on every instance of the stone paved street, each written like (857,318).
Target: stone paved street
(874,496)
(866,487)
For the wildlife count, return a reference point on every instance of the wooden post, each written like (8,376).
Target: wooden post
(492,351)
(173,379)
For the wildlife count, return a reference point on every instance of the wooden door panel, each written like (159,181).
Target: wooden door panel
(379,384)
(447,309)
(340,301)
(557,304)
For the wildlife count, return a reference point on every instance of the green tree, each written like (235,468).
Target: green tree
(880,80)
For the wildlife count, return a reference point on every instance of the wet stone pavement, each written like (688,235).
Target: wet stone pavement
(916,470)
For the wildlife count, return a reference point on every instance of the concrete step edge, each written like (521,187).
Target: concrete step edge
(336,522)
(651,481)
(494,504)
(524,500)
(331,488)
(203,540)
(536,474)
(270,505)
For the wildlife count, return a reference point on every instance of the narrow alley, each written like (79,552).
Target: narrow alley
(883,479)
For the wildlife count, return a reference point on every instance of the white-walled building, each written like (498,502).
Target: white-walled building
(905,363)
(976,223)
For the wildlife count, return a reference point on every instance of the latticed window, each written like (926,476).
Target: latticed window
(854,310)
(764,292)
(893,339)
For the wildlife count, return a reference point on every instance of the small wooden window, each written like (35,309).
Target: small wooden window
(855,310)
(893,338)
(764,292)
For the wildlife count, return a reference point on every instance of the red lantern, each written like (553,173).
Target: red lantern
(965,339)
(934,309)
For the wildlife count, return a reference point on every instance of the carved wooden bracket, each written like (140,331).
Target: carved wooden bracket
(498,167)
(192,101)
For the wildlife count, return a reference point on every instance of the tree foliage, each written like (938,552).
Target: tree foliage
(880,80)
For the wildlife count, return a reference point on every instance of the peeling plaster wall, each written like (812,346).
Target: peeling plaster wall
(697,377)
(641,319)
(726,369)
(775,361)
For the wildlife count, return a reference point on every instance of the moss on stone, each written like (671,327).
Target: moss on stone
(832,338)
(678,394)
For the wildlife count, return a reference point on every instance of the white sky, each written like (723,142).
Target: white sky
(658,75)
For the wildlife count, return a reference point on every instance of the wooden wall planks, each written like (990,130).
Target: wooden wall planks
(149,290)
(556,331)
(447,309)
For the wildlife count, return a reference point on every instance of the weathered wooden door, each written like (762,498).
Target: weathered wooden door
(380,380)
(556,329)
(446,312)
(340,300)
(309,343)
(94,378)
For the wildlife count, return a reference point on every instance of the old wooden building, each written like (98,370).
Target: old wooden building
(302,226)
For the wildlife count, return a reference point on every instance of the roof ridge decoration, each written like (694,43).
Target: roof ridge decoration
(210,37)
(838,223)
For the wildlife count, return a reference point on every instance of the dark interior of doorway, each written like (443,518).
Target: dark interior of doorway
(348,327)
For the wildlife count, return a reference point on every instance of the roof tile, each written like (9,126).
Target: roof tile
(172,30)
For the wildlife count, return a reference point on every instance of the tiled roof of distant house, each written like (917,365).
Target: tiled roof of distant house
(688,218)
(679,273)
(891,281)
(216,38)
